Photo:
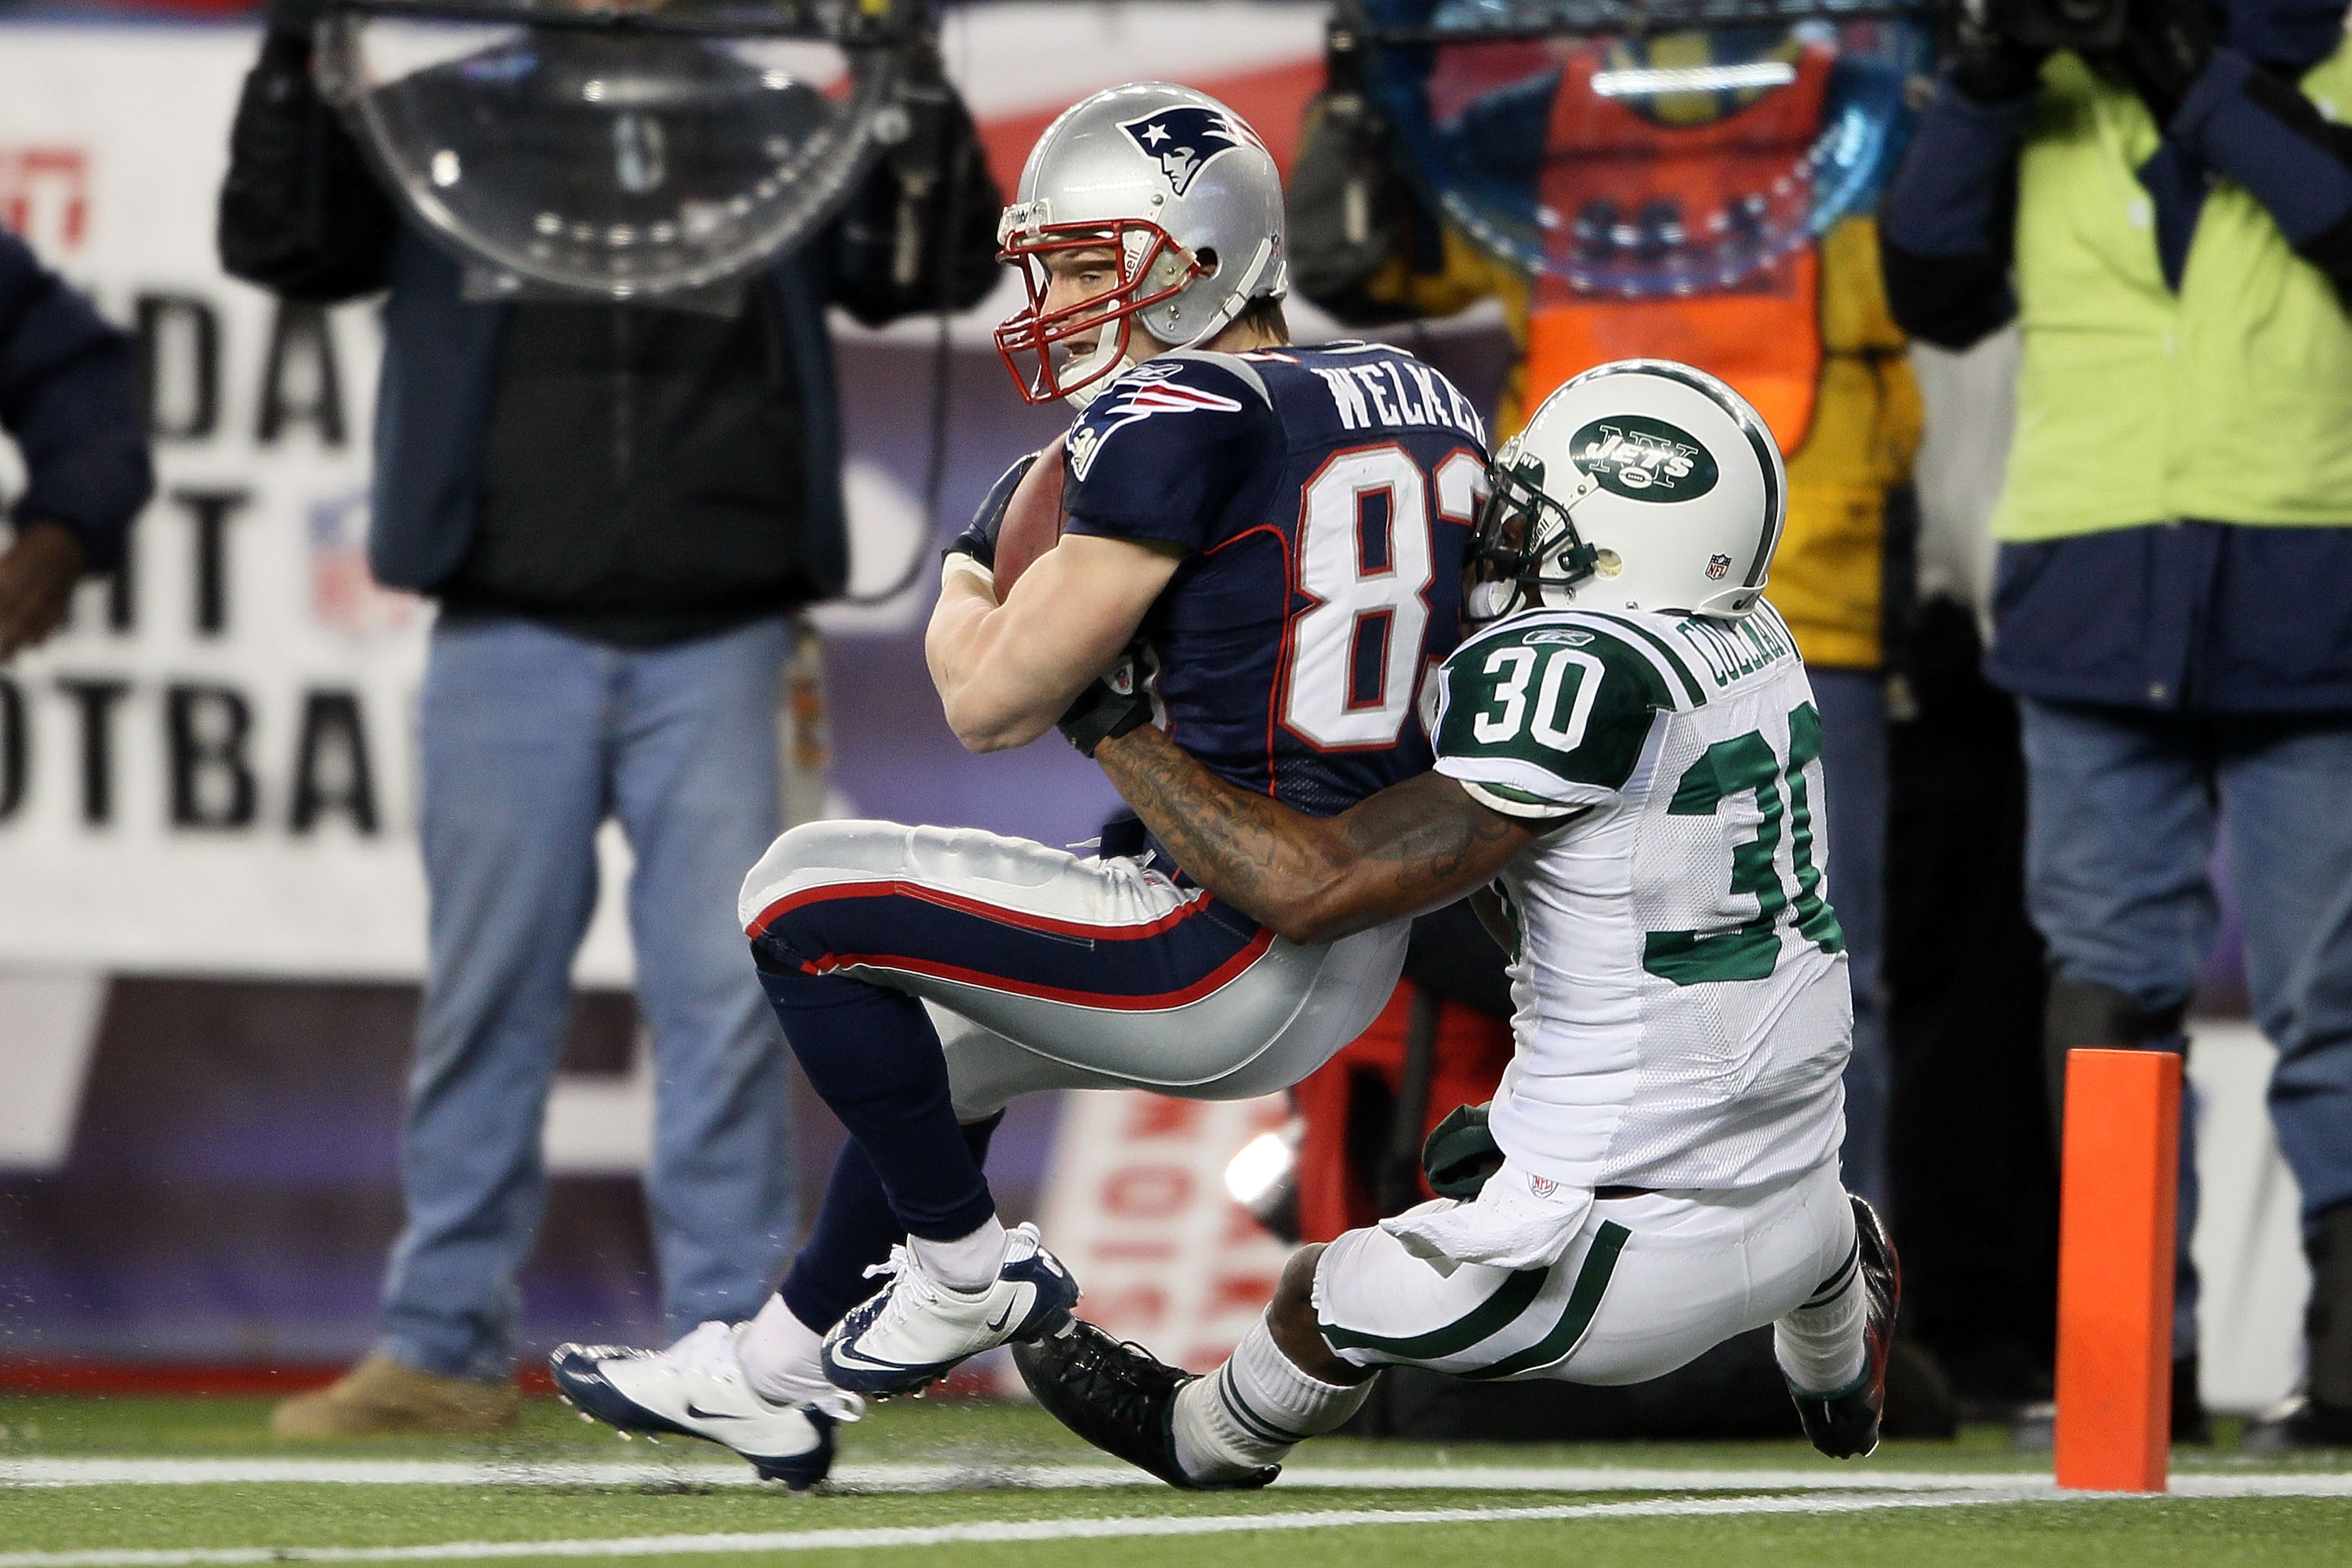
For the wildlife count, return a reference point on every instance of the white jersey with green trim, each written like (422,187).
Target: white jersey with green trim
(1682,1013)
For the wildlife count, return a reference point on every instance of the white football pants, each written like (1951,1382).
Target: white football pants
(1045,971)
(1650,1282)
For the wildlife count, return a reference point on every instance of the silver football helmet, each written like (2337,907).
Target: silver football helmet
(1184,193)
(1640,485)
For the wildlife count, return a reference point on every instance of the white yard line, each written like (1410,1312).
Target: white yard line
(1010,1531)
(1968,1490)
(923,1478)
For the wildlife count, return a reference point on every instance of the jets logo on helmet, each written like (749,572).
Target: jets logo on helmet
(1645,459)
(1184,138)
(1640,485)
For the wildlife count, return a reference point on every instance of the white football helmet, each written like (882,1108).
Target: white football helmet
(1640,485)
(1187,195)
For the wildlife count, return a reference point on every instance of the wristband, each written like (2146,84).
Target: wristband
(964,564)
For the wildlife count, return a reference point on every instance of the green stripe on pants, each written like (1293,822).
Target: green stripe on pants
(1592,1280)
(1509,1300)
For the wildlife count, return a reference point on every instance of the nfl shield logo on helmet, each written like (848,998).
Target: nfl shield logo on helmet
(1717,565)
(1184,137)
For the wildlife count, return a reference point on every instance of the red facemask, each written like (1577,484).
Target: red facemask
(1034,334)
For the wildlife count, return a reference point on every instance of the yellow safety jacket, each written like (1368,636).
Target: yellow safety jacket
(2231,400)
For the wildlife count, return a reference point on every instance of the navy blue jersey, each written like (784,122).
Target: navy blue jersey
(1324,499)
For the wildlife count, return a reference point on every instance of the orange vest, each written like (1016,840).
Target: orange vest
(1762,334)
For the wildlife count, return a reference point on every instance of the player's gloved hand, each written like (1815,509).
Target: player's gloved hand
(1987,66)
(1461,1153)
(1116,700)
(979,540)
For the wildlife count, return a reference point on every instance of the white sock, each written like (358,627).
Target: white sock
(1254,1409)
(1819,1345)
(968,1262)
(779,1356)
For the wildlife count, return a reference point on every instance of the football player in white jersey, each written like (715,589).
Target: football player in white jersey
(1629,753)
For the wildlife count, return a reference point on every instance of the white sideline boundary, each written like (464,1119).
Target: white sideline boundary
(976,1476)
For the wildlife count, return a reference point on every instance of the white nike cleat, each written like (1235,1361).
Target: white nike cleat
(697,1389)
(914,1330)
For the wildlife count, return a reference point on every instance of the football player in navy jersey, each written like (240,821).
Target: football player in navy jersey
(1271,541)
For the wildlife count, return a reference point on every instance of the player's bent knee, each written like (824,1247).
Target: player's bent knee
(1291,1320)
(815,853)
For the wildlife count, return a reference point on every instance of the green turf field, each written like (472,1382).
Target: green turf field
(127,1483)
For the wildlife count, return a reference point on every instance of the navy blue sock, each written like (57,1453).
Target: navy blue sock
(854,1229)
(873,1057)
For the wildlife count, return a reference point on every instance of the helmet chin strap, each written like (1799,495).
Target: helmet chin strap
(1111,353)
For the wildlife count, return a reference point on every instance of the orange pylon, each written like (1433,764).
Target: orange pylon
(2117,1207)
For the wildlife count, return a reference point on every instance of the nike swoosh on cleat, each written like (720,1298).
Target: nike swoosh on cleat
(1002,1317)
(700,1414)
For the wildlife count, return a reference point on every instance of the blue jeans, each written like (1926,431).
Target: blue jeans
(2123,807)
(1853,767)
(530,739)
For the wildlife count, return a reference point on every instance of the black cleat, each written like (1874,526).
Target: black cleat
(1119,1397)
(1844,1424)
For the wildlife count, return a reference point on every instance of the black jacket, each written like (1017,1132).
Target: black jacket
(302,215)
(69,396)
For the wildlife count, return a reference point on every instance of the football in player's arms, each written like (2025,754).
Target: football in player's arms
(1629,753)
(1280,533)
(1032,517)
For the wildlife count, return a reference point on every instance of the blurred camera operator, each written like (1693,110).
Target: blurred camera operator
(70,398)
(618,508)
(2169,218)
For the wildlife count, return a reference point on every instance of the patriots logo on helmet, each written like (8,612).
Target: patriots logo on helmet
(1185,138)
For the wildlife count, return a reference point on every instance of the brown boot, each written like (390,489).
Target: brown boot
(380,1397)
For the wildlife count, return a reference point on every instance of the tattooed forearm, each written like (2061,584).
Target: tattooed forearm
(1410,847)
(1425,832)
(1229,841)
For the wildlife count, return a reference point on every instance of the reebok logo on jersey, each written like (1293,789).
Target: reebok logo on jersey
(1574,639)
(1140,394)
(1643,458)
